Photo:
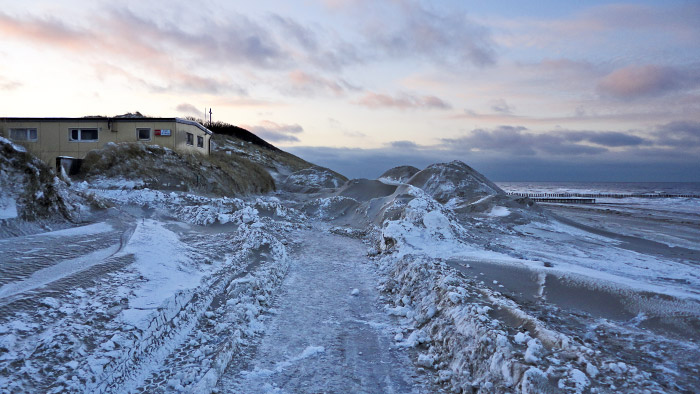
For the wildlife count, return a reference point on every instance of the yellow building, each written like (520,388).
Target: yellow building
(50,138)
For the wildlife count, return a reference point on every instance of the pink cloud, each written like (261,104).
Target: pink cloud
(45,31)
(402,101)
(637,81)
(6,84)
(303,82)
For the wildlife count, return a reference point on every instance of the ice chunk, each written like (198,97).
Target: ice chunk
(521,338)
(534,351)
(50,302)
(426,360)
(580,380)
(499,211)
(591,370)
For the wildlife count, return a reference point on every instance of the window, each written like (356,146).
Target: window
(143,134)
(23,134)
(83,135)
(190,139)
(200,142)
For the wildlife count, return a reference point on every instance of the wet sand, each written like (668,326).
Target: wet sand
(537,288)
(677,233)
(629,228)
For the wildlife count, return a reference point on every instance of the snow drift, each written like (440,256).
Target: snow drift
(32,195)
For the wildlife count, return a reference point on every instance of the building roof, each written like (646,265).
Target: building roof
(112,119)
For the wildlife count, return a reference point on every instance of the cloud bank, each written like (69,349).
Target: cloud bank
(513,153)
(274,132)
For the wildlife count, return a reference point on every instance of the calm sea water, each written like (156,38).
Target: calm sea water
(602,187)
(686,207)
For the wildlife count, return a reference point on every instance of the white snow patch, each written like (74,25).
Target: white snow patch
(8,208)
(591,370)
(310,351)
(50,302)
(18,148)
(580,380)
(425,360)
(90,229)
(534,351)
(162,261)
(498,211)
(521,338)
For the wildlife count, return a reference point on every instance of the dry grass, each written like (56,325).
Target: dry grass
(161,168)
(276,160)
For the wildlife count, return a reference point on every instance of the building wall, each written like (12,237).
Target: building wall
(127,131)
(181,139)
(53,136)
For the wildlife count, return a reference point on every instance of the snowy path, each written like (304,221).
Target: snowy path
(322,338)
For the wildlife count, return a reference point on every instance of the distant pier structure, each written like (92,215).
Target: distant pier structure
(589,198)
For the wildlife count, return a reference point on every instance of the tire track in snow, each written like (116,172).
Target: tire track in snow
(63,268)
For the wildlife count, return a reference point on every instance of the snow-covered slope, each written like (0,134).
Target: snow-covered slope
(149,302)
(32,196)
(289,171)
(157,167)
(400,174)
(447,181)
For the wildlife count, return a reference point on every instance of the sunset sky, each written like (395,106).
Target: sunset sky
(546,90)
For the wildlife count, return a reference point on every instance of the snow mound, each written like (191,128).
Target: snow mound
(312,180)
(31,191)
(330,208)
(444,181)
(365,189)
(400,174)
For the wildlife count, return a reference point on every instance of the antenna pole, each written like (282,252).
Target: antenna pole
(210,116)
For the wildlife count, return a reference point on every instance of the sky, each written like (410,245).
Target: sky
(521,91)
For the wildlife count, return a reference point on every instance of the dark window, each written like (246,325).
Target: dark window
(83,134)
(144,134)
(190,139)
(88,135)
(23,134)
(200,142)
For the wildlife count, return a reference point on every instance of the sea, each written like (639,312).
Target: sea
(603,187)
(684,205)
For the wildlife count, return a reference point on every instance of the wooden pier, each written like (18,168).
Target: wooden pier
(565,200)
